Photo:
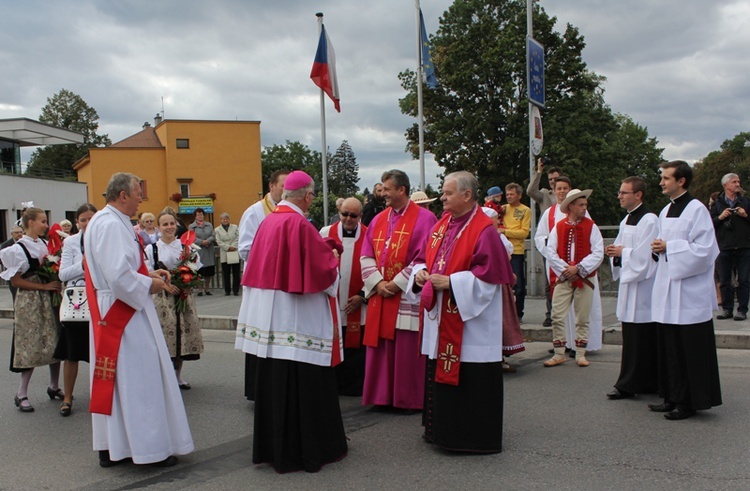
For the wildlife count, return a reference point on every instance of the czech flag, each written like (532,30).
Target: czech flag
(323,72)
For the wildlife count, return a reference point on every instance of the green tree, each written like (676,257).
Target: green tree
(294,155)
(733,156)
(343,172)
(477,119)
(66,110)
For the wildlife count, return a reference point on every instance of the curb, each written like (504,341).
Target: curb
(531,332)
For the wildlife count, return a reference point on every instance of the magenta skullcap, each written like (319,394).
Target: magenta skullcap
(297,180)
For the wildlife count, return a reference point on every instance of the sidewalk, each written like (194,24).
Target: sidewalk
(220,312)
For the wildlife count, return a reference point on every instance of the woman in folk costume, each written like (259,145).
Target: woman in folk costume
(176,308)
(74,341)
(35,332)
(512,335)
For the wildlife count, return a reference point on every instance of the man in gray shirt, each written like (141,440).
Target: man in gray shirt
(544,197)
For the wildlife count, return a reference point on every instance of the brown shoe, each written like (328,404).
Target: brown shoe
(582,361)
(508,368)
(555,360)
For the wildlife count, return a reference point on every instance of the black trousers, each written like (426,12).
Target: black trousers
(234,269)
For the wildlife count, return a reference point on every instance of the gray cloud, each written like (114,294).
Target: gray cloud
(676,67)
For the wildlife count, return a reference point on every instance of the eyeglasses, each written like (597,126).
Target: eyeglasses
(624,192)
(346,214)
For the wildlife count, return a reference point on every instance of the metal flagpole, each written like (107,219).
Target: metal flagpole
(419,98)
(532,248)
(323,135)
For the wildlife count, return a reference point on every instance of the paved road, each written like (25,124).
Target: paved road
(560,433)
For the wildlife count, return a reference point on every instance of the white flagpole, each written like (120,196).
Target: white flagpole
(532,249)
(420,115)
(323,136)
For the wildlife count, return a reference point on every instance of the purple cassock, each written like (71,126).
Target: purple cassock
(394,370)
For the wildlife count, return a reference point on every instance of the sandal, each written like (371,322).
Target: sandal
(66,408)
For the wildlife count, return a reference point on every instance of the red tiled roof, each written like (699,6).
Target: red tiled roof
(146,138)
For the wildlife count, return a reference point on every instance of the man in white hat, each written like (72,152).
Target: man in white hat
(421,198)
(575,250)
(547,222)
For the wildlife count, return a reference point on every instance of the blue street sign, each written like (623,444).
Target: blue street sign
(535,71)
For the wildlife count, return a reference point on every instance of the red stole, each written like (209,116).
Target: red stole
(451,326)
(567,235)
(107,337)
(353,319)
(383,312)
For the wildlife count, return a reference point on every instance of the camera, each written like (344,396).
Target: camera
(733,210)
(546,161)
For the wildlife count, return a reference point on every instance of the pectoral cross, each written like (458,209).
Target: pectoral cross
(105,368)
(441,263)
(400,234)
(448,358)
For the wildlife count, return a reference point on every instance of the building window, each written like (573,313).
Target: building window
(183,143)
(144,190)
(185,189)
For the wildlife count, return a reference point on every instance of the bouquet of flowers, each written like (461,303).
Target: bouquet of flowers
(49,270)
(185,275)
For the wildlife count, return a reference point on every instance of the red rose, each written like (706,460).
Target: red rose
(187,278)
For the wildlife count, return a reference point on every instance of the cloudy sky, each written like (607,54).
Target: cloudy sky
(678,67)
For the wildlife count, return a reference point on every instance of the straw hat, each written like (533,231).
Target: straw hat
(421,197)
(573,195)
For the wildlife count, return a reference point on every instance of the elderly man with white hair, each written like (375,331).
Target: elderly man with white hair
(461,282)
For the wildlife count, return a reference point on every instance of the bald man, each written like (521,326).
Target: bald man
(350,232)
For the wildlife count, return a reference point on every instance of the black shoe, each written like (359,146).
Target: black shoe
(619,394)
(55,393)
(680,413)
(551,351)
(226,294)
(741,316)
(207,293)
(406,412)
(236,294)
(571,353)
(726,314)
(547,322)
(23,409)
(664,407)
(104,460)
(168,462)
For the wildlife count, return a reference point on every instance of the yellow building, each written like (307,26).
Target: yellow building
(185,164)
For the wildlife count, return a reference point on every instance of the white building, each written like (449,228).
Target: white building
(58,197)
